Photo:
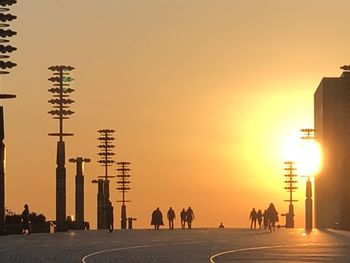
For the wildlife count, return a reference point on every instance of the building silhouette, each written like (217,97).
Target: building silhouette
(332,131)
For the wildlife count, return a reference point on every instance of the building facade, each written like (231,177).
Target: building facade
(332,131)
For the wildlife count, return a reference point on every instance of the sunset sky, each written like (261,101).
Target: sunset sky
(206,98)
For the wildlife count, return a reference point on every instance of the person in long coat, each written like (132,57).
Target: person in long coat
(157,219)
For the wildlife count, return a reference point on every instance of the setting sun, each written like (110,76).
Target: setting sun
(309,160)
(306,154)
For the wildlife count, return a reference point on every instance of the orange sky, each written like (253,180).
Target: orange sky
(203,96)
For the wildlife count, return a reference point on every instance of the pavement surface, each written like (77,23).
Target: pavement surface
(176,246)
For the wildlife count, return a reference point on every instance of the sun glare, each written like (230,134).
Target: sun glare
(310,158)
(307,155)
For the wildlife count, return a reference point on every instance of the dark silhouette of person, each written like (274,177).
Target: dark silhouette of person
(259,218)
(183,216)
(110,216)
(157,219)
(252,217)
(190,217)
(221,225)
(266,219)
(273,217)
(171,217)
(25,220)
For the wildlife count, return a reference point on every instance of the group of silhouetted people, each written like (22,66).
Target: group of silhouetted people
(186,216)
(266,220)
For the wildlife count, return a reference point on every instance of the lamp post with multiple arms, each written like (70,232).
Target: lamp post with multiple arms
(5,65)
(61,103)
(106,159)
(290,187)
(308,134)
(123,187)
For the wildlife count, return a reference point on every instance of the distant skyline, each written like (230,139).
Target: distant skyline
(204,97)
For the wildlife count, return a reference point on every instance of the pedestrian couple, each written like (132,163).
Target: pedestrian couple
(186,216)
(255,216)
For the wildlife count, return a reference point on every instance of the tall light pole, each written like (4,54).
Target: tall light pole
(4,66)
(290,187)
(308,134)
(106,159)
(123,187)
(61,103)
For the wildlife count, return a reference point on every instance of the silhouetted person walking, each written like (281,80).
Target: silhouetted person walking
(252,217)
(183,216)
(273,217)
(190,217)
(265,219)
(25,220)
(259,217)
(171,217)
(110,216)
(221,225)
(157,219)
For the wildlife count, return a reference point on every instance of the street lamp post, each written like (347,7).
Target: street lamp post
(106,159)
(61,103)
(308,134)
(123,187)
(290,187)
(4,66)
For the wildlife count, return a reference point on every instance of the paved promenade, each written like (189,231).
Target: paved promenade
(195,245)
